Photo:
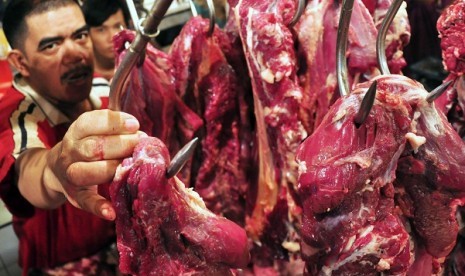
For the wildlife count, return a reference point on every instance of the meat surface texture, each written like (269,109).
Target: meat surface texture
(350,225)
(164,228)
(451,28)
(269,50)
(150,93)
(383,197)
(210,86)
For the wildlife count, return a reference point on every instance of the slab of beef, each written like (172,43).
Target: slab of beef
(150,96)
(350,222)
(163,228)
(451,32)
(451,28)
(431,171)
(316,33)
(209,85)
(269,50)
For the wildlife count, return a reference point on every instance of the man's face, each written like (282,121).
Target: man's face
(102,35)
(58,55)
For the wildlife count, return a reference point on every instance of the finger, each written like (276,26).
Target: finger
(90,201)
(92,173)
(95,148)
(103,122)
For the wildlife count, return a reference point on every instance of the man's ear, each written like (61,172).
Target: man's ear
(18,61)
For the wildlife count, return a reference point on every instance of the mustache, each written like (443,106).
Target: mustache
(76,71)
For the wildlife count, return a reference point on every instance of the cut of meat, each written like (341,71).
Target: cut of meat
(451,32)
(350,223)
(347,190)
(153,100)
(451,28)
(269,50)
(211,87)
(164,228)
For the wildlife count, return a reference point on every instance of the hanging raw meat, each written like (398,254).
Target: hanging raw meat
(269,50)
(451,28)
(350,225)
(316,33)
(150,96)
(355,219)
(163,228)
(209,85)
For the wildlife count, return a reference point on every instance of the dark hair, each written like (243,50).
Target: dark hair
(16,11)
(98,11)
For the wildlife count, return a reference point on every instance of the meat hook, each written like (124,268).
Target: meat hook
(180,159)
(433,95)
(366,105)
(212,17)
(381,38)
(341,47)
(381,50)
(298,13)
(133,13)
(149,29)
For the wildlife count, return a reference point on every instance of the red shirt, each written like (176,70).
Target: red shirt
(47,238)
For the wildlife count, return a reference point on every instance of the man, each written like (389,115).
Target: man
(55,151)
(105,19)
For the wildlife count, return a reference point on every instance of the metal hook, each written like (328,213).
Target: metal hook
(212,17)
(137,47)
(133,13)
(381,38)
(180,159)
(298,13)
(366,105)
(341,47)
(433,95)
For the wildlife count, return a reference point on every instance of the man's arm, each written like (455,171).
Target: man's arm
(88,156)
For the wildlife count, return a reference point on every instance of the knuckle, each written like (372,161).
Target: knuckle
(91,148)
(74,174)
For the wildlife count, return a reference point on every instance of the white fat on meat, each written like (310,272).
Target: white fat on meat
(415,140)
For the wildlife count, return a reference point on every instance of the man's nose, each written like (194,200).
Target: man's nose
(74,52)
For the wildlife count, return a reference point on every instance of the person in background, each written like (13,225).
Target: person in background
(105,19)
(59,147)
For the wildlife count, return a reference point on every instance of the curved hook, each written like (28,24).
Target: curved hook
(136,49)
(341,47)
(211,16)
(381,38)
(366,105)
(298,12)
(433,95)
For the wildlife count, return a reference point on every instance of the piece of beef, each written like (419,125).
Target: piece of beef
(209,85)
(150,96)
(163,228)
(451,28)
(350,223)
(269,50)
(431,172)
(451,32)
(316,33)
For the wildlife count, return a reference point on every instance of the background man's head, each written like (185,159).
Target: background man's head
(105,18)
(51,48)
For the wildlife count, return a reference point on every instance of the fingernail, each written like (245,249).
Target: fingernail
(107,213)
(131,124)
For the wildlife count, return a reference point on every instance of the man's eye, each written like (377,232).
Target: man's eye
(49,46)
(82,35)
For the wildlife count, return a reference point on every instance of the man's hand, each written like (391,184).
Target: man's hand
(89,154)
